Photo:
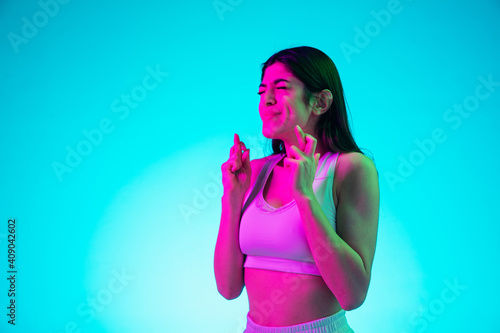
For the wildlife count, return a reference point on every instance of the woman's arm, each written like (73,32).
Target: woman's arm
(345,257)
(228,259)
(237,176)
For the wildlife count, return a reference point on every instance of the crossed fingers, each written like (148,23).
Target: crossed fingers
(307,143)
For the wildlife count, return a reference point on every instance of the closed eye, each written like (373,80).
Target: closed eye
(261,92)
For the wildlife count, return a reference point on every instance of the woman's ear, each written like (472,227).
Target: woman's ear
(323,101)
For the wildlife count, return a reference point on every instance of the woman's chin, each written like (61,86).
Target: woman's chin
(274,132)
(268,134)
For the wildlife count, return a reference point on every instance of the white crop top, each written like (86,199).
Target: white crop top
(274,238)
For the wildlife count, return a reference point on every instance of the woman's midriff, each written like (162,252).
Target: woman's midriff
(284,299)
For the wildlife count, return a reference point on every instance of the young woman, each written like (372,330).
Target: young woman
(299,227)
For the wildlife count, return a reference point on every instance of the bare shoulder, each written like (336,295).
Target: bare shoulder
(257,165)
(354,165)
(347,162)
(262,159)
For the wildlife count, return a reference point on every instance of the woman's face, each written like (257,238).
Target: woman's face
(282,105)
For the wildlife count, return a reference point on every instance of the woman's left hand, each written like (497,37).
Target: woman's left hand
(302,163)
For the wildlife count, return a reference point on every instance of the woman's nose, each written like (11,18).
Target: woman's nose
(269,98)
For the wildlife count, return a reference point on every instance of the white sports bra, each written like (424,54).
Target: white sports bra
(274,238)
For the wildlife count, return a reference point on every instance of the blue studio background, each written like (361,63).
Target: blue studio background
(116,117)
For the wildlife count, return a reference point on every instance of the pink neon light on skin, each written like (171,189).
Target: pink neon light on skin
(281,107)
(279,298)
(284,294)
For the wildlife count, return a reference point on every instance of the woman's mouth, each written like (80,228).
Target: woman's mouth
(270,115)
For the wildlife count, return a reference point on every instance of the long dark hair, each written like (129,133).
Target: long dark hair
(317,72)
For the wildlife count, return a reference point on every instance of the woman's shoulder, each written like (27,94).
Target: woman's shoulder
(258,163)
(351,170)
(354,158)
(265,158)
(354,163)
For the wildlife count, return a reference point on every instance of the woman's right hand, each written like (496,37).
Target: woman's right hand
(236,172)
